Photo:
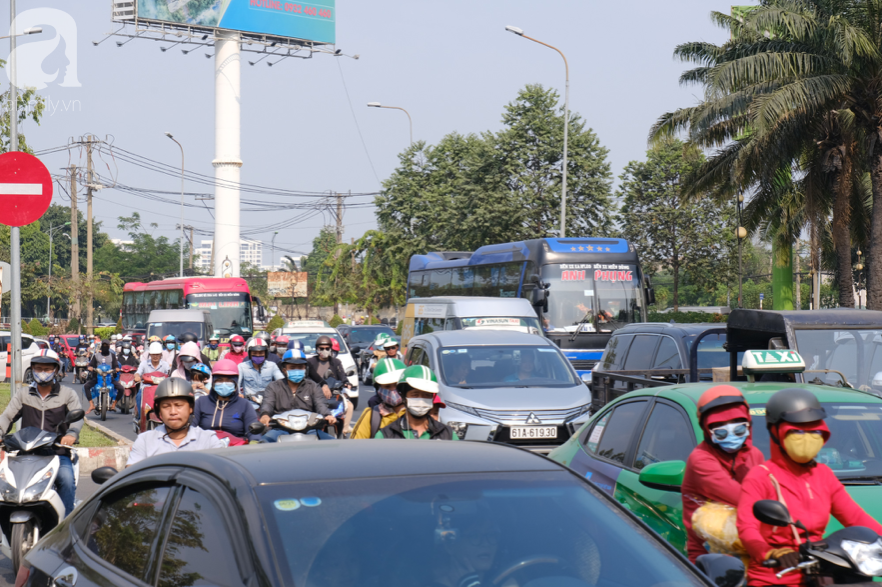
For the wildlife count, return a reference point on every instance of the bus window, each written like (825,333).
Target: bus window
(174,299)
(139,302)
(462,280)
(440,282)
(483,281)
(509,280)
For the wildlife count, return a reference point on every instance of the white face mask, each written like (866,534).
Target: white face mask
(419,406)
(324,353)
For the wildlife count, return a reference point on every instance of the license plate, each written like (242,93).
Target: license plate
(532,432)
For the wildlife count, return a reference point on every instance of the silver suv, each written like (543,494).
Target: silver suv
(504,386)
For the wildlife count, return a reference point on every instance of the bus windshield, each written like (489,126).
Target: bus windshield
(230,311)
(591,297)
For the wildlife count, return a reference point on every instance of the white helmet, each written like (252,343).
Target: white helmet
(114,337)
(155,348)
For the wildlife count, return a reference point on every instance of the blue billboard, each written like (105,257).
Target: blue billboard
(308,21)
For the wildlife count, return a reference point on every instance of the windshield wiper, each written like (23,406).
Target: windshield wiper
(585,320)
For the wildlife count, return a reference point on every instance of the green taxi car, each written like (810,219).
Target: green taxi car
(635,447)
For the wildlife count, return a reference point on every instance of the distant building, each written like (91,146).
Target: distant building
(122,245)
(250,251)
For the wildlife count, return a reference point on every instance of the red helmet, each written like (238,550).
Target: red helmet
(225,367)
(236,339)
(335,346)
(282,340)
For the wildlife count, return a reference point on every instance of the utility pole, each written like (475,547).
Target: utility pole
(191,249)
(90,316)
(211,264)
(74,243)
(339,219)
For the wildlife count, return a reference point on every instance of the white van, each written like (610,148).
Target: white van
(161,323)
(425,315)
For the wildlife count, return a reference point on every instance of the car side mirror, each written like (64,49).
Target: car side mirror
(74,416)
(257,428)
(772,512)
(666,475)
(723,570)
(586,378)
(103,474)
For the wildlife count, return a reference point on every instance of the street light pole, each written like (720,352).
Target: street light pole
(563,193)
(49,288)
(169,135)
(409,119)
(273,243)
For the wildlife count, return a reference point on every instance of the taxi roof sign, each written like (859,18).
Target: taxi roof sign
(780,361)
(308,324)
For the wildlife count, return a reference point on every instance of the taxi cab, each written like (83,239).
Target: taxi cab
(635,448)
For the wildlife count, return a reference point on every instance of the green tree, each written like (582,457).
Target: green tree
(670,233)
(275,322)
(29,106)
(147,257)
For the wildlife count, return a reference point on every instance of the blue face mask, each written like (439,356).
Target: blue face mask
(733,436)
(170,346)
(213,345)
(296,375)
(225,389)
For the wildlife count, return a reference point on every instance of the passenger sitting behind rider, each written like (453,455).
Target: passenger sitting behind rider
(174,402)
(295,392)
(419,386)
(390,405)
(222,409)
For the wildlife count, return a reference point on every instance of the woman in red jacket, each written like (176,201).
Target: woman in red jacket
(718,465)
(810,490)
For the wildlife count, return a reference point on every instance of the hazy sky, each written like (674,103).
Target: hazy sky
(451,64)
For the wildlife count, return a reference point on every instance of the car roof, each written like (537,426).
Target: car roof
(177,314)
(488,336)
(334,460)
(759,392)
(667,327)
(366,326)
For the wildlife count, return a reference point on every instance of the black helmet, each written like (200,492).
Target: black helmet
(126,344)
(173,388)
(323,340)
(794,405)
(187,337)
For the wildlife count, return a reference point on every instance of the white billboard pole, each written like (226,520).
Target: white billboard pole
(227,162)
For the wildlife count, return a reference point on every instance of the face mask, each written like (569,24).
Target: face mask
(105,349)
(43,377)
(238,348)
(273,349)
(296,375)
(213,345)
(126,351)
(225,389)
(419,406)
(170,346)
(324,353)
(803,447)
(390,397)
(188,364)
(258,360)
(733,436)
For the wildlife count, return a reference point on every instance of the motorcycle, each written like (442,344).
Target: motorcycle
(81,366)
(29,505)
(148,419)
(337,403)
(104,383)
(130,388)
(847,556)
(298,423)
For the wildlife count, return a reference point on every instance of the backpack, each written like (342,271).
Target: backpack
(376,418)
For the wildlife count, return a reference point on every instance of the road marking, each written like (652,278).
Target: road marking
(21,189)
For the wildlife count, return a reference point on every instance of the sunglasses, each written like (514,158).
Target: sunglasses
(738,429)
(324,348)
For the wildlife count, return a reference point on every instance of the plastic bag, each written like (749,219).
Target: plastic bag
(716,523)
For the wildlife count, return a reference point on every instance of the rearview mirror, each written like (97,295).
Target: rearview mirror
(772,512)
(103,474)
(586,378)
(650,296)
(667,475)
(723,570)
(257,428)
(74,416)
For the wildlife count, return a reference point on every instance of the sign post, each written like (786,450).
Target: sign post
(25,195)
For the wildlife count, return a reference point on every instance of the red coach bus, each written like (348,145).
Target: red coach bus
(228,299)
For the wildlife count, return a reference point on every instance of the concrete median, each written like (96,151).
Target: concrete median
(111,456)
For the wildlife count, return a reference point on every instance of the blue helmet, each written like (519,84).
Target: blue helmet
(201,368)
(294,357)
(295,344)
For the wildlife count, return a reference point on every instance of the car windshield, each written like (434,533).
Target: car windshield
(163,329)
(368,335)
(307,339)
(505,366)
(543,528)
(602,297)
(857,354)
(520,324)
(855,446)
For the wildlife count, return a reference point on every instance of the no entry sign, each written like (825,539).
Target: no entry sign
(25,189)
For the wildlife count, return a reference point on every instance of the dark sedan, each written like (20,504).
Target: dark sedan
(354,513)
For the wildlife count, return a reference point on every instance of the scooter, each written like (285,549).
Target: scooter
(104,383)
(81,366)
(847,556)
(29,505)
(337,394)
(297,422)
(130,388)
(148,420)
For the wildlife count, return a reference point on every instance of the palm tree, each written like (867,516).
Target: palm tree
(790,93)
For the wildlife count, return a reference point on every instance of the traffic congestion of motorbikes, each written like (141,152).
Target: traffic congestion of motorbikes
(746,518)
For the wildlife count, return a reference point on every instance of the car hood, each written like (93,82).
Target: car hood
(518,398)
(866,496)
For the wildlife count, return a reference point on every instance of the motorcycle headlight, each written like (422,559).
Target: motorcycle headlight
(460,428)
(867,557)
(36,490)
(7,490)
(298,422)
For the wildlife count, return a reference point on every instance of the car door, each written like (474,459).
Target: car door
(668,435)
(605,445)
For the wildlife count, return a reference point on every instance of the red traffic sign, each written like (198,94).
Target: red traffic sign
(25,189)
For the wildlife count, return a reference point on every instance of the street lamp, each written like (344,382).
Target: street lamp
(169,135)
(49,288)
(859,266)
(273,243)
(410,120)
(740,234)
(31,31)
(563,194)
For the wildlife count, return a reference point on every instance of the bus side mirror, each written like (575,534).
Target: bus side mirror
(650,296)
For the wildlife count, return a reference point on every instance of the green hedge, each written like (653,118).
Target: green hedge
(335,321)
(275,322)
(686,317)
(106,332)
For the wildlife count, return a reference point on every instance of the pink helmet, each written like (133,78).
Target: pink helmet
(225,367)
